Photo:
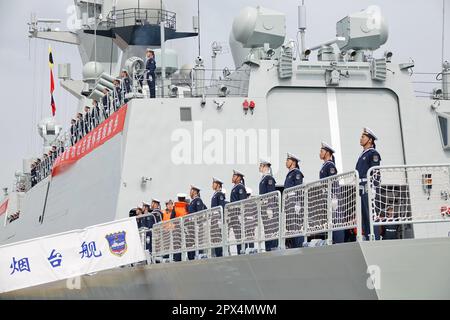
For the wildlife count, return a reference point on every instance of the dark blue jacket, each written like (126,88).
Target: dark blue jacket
(368,159)
(218,199)
(328,169)
(238,193)
(196,205)
(126,85)
(151,67)
(293,178)
(147,222)
(267,184)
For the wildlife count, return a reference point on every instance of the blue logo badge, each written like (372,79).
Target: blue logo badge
(117,243)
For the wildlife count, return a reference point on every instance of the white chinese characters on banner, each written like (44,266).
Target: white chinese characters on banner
(67,255)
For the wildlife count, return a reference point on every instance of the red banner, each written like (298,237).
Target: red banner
(4,207)
(104,132)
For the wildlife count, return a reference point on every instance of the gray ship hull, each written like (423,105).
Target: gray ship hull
(404,269)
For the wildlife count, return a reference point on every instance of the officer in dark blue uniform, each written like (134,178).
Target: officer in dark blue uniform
(150,67)
(80,126)
(327,156)
(117,95)
(267,185)
(369,158)
(329,169)
(218,200)
(218,197)
(87,119)
(125,84)
(95,114)
(147,222)
(73,132)
(196,205)
(238,193)
(106,102)
(156,209)
(294,178)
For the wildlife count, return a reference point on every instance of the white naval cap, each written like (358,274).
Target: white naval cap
(265,162)
(293,157)
(370,133)
(195,188)
(145,203)
(327,147)
(181,195)
(238,173)
(217,180)
(156,200)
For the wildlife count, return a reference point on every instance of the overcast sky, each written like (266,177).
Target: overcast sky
(415,31)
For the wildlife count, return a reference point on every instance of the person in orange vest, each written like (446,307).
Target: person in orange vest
(169,212)
(181,206)
(181,210)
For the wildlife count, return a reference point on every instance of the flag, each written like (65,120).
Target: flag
(52,80)
(4,207)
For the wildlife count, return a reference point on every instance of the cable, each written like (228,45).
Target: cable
(443,29)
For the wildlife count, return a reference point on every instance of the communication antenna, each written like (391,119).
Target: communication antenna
(216,49)
(302,29)
(199,42)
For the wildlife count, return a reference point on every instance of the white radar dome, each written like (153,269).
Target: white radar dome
(253,27)
(92,70)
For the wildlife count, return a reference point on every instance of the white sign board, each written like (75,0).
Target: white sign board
(71,254)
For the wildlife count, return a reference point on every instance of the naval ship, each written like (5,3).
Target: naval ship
(282,96)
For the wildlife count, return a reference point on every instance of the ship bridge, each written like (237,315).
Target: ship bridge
(140,27)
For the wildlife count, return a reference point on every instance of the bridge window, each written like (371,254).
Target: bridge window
(443,122)
(185,114)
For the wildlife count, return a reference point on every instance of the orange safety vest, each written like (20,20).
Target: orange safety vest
(181,209)
(166,215)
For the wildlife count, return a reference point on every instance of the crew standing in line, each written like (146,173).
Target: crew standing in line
(156,209)
(73,132)
(267,185)
(218,200)
(328,170)
(150,67)
(196,205)
(87,119)
(80,126)
(238,193)
(125,85)
(294,178)
(369,158)
(95,114)
(106,101)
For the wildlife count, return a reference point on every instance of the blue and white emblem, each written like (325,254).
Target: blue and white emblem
(117,243)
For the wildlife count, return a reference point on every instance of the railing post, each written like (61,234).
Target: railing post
(208,232)
(305,215)
(330,211)
(225,246)
(196,231)
(171,241)
(258,236)
(242,215)
(359,237)
(281,222)
(183,241)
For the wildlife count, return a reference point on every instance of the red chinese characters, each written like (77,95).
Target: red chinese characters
(104,132)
